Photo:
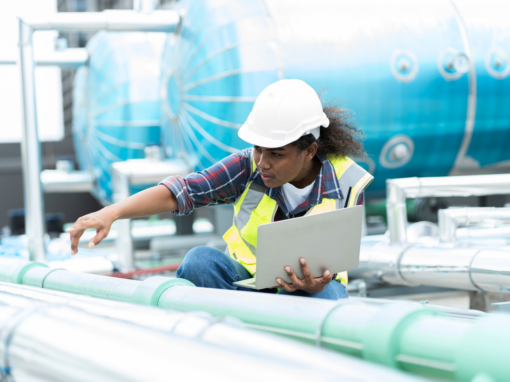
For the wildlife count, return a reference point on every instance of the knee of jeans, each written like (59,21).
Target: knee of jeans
(198,260)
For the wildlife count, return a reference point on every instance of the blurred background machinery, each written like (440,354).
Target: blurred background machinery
(427,83)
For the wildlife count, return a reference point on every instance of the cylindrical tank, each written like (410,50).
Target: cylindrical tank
(426,80)
(116,109)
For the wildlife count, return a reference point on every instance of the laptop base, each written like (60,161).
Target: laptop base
(248,283)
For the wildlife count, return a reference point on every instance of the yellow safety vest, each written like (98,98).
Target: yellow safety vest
(254,208)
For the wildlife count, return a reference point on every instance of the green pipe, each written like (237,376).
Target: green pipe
(378,208)
(401,335)
(145,292)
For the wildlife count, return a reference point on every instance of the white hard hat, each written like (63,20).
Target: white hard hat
(283,112)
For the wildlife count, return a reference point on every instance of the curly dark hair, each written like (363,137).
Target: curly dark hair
(340,138)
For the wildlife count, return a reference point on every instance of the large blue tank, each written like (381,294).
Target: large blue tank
(116,109)
(428,82)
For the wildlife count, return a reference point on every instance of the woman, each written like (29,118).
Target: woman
(298,165)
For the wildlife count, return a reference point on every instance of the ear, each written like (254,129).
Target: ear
(311,151)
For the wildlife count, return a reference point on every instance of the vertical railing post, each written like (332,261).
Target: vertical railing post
(30,147)
(396,212)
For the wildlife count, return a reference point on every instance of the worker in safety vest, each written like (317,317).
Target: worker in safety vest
(299,165)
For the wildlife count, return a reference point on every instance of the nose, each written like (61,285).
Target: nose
(263,163)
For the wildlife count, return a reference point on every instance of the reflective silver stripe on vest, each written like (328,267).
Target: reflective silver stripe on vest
(349,179)
(251,247)
(250,202)
(362,188)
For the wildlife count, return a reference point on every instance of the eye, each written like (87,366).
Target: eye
(276,154)
(256,148)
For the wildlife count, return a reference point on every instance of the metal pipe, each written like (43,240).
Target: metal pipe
(227,333)
(159,21)
(112,20)
(390,334)
(477,233)
(40,275)
(427,342)
(30,148)
(44,342)
(470,268)
(450,219)
(61,181)
(396,212)
(400,189)
(137,172)
(71,58)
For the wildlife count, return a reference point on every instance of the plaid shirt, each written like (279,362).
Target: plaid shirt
(225,181)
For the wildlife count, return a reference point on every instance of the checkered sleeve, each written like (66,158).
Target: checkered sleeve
(222,183)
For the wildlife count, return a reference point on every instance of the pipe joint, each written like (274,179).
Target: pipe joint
(385,260)
(151,289)
(382,335)
(18,273)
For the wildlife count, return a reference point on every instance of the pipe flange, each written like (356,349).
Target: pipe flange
(497,63)
(404,65)
(382,334)
(385,262)
(151,289)
(19,272)
(397,151)
(43,279)
(453,64)
(318,330)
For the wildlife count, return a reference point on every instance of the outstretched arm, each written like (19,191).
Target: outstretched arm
(152,201)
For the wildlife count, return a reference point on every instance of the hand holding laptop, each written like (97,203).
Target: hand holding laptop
(308,284)
(329,240)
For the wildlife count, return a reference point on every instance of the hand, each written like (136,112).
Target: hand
(101,220)
(309,284)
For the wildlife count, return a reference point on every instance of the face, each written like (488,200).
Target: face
(283,164)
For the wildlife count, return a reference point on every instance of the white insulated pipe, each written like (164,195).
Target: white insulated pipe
(450,219)
(111,20)
(397,190)
(159,21)
(138,172)
(30,148)
(71,58)
(470,268)
(60,337)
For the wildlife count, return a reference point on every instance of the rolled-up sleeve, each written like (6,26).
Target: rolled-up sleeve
(222,183)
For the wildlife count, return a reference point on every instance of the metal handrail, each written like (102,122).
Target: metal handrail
(397,190)
(450,219)
(158,21)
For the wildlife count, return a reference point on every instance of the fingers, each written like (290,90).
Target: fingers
(77,230)
(309,283)
(293,278)
(75,239)
(287,287)
(100,235)
(306,271)
(327,277)
(80,226)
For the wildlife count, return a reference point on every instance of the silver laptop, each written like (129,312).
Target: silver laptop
(330,240)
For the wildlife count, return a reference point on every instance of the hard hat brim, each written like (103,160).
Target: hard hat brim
(258,140)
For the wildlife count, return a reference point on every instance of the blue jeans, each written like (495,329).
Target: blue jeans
(208,267)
